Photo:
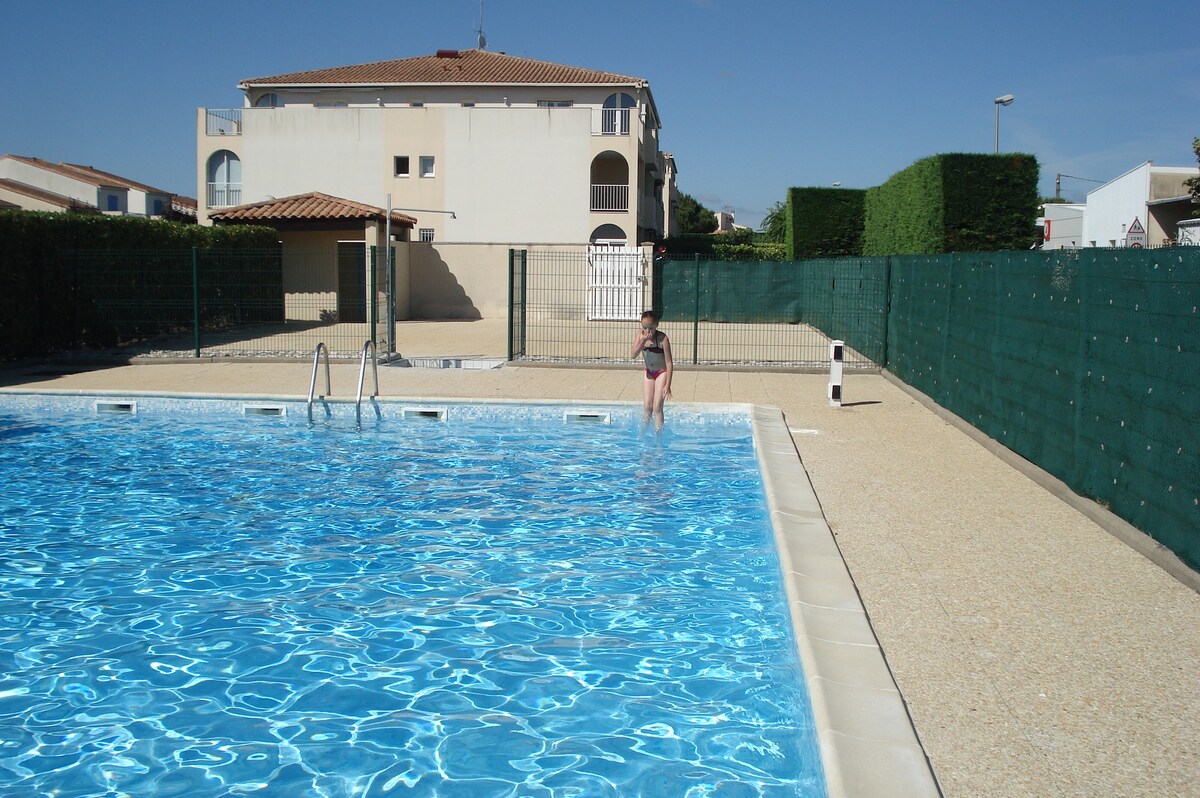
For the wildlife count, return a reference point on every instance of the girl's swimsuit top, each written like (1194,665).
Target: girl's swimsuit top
(656,360)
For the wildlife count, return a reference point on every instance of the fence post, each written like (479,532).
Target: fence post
(696,312)
(196,299)
(373,294)
(887,310)
(391,297)
(511,303)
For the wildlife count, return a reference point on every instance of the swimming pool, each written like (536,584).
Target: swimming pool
(502,603)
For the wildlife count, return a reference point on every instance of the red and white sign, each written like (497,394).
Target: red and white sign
(1135,236)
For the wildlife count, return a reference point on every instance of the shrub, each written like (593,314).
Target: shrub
(41,309)
(953,203)
(824,222)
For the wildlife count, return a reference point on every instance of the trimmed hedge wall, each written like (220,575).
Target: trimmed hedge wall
(824,222)
(41,308)
(954,203)
(739,245)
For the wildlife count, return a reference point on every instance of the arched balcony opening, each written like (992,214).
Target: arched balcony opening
(610,183)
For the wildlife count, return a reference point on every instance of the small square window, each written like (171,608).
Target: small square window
(426,234)
(426,166)
(400,166)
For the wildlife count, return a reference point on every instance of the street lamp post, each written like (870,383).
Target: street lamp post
(1007,99)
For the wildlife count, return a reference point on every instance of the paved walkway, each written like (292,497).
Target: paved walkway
(1039,655)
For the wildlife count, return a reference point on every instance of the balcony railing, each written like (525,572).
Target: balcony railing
(610,121)
(224,195)
(223,121)
(610,198)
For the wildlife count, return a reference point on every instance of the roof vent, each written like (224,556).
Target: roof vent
(447,54)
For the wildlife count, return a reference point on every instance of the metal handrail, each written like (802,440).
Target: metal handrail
(362,375)
(312,386)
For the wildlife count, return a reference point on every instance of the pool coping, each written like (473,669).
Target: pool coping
(869,744)
(867,740)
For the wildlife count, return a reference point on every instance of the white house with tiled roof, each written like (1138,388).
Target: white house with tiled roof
(479,146)
(36,184)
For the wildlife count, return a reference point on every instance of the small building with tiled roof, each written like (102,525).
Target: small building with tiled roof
(87,186)
(332,249)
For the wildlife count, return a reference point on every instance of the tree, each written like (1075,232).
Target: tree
(692,217)
(774,224)
(1193,183)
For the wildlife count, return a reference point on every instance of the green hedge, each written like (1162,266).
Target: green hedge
(739,245)
(824,222)
(954,203)
(41,307)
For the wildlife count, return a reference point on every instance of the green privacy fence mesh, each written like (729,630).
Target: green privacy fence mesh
(259,302)
(1085,362)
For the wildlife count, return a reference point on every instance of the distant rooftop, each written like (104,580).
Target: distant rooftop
(50,197)
(449,66)
(88,174)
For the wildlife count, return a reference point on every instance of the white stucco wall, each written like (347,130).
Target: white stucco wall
(517,174)
(1066,225)
(338,151)
(1114,204)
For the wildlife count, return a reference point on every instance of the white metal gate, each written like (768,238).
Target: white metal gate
(616,279)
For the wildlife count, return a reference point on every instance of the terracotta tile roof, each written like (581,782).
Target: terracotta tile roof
(313,205)
(111,179)
(464,66)
(47,196)
(68,171)
(187,203)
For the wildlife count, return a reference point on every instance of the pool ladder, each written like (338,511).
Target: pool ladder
(312,385)
(369,346)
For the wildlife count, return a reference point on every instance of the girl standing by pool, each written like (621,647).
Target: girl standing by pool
(656,349)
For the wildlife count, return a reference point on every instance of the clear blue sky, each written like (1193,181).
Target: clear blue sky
(755,96)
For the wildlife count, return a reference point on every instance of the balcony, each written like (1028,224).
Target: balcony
(610,198)
(223,195)
(223,121)
(610,121)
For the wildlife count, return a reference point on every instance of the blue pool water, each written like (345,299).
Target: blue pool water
(218,606)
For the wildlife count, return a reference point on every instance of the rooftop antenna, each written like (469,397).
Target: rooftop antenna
(481,39)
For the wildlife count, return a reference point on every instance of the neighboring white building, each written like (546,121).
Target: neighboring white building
(479,146)
(1154,196)
(1062,225)
(34,184)
(727,222)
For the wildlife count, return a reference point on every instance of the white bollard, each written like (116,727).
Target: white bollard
(837,351)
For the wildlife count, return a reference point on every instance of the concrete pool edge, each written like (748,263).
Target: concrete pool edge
(869,745)
(867,742)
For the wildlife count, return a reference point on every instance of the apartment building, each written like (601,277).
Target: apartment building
(479,146)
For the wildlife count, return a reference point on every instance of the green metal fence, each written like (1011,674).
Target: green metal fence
(1086,362)
(236,302)
(581,305)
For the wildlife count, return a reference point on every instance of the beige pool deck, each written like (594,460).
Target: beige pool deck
(1038,655)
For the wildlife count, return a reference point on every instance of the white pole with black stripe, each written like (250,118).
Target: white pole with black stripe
(837,353)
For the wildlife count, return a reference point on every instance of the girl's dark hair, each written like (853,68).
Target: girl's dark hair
(653,314)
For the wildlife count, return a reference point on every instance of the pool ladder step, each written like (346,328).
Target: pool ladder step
(368,348)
